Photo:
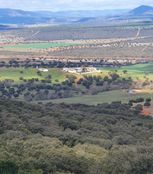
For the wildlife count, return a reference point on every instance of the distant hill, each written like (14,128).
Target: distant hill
(20,17)
(142,10)
(86,17)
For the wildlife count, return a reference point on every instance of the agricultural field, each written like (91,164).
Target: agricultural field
(139,68)
(37,46)
(81,32)
(127,49)
(72,42)
(57,76)
(138,72)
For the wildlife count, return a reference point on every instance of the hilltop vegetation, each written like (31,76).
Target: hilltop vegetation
(78,139)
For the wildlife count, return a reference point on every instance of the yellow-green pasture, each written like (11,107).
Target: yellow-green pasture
(15,74)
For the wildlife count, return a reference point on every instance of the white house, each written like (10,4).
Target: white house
(43,69)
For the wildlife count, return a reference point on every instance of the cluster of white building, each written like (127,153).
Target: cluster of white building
(43,69)
(81,70)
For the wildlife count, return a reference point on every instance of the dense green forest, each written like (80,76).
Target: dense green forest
(74,139)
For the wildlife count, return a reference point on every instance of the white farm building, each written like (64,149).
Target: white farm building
(43,69)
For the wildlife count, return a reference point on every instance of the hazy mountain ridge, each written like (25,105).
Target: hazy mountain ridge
(20,17)
(142,10)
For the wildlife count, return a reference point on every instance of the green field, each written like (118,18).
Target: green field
(38,46)
(139,71)
(138,68)
(104,97)
(136,72)
(15,73)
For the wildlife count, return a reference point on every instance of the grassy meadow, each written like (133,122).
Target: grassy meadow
(138,72)
(105,97)
(15,74)
(138,68)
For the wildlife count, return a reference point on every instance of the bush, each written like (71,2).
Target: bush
(7,167)
(147,103)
